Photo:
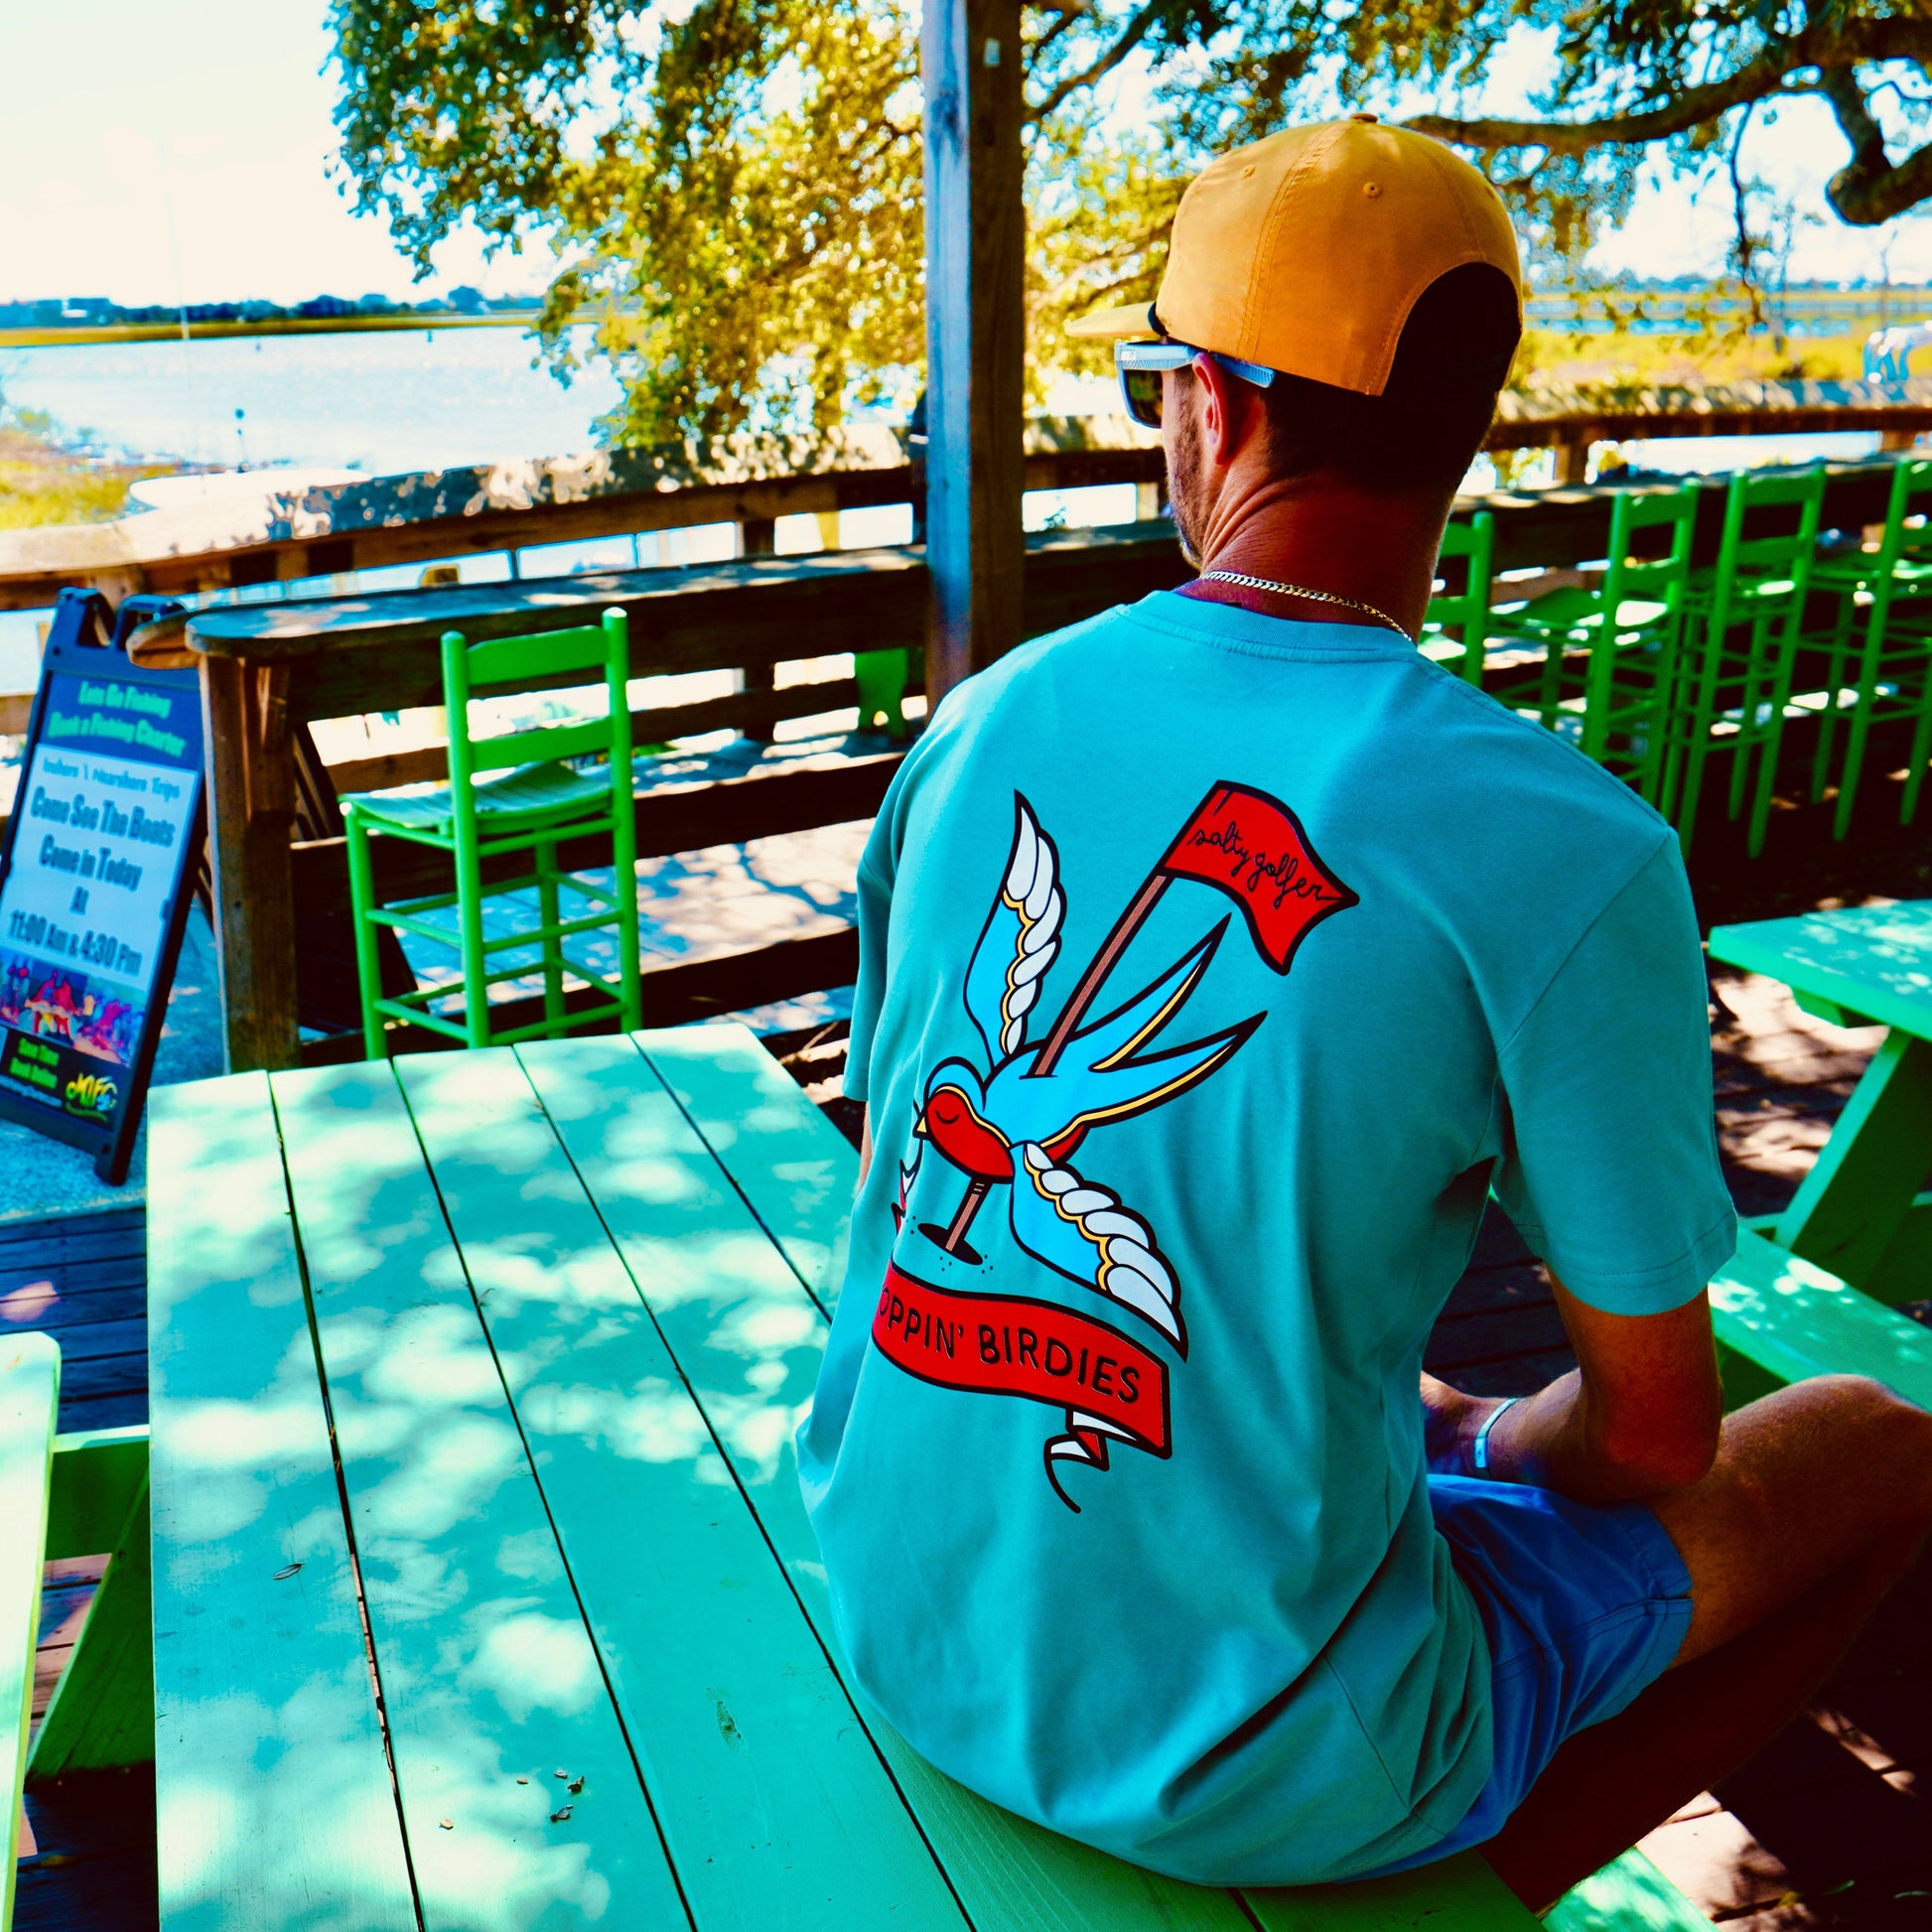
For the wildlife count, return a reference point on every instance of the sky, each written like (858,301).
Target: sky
(163,150)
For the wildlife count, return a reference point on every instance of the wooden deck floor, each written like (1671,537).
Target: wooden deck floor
(1827,1829)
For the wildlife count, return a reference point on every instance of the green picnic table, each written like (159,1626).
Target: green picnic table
(1808,1290)
(484,1595)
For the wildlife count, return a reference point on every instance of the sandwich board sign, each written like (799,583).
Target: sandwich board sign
(96,877)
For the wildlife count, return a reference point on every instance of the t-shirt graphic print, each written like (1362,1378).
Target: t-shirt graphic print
(1016,1115)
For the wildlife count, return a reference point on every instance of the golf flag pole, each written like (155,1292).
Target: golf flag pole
(1098,967)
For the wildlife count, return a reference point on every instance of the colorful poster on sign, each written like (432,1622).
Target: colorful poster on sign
(103,816)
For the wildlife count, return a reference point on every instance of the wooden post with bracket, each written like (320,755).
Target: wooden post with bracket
(251,810)
(976,230)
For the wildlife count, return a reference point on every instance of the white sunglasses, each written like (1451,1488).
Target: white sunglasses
(1141,367)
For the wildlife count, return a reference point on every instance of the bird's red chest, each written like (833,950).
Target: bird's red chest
(967,1140)
(972,1144)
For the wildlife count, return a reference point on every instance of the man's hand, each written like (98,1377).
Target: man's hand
(1638,1417)
(1451,1420)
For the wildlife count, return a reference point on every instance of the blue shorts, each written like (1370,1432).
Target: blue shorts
(1584,1608)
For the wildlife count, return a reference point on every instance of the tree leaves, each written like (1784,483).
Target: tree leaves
(732,187)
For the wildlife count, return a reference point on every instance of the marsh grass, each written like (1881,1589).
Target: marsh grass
(43,484)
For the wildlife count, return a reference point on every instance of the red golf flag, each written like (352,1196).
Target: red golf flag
(1253,847)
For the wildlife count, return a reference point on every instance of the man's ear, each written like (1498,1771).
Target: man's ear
(1232,412)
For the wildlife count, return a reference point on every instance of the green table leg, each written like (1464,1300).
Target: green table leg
(1869,1172)
(102,1711)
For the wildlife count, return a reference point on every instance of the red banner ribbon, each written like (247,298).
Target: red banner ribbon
(1253,847)
(1007,1345)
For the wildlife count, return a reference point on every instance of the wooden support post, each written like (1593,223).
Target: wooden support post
(1897,439)
(251,810)
(1573,460)
(975,228)
(758,536)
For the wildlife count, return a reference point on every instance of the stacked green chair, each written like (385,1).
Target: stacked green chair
(1741,633)
(549,790)
(1892,587)
(882,677)
(1610,652)
(1456,629)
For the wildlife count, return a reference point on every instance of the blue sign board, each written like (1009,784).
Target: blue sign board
(94,882)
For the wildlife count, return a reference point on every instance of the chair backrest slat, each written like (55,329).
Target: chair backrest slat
(1467,612)
(1781,557)
(1655,580)
(507,660)
(1911,497)
(541,741)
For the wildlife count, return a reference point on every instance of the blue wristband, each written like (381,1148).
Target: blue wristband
(1480,1451)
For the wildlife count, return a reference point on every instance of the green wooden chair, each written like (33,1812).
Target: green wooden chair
(882,677)
(1625,631)
(1892,588)
(1455,628)
(1742,629)
(528,809)
(63,1496)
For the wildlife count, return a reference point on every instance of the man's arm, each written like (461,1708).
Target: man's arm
(1637,1416)
(865,1143)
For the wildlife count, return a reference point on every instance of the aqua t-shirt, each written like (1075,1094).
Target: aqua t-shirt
(1215,968)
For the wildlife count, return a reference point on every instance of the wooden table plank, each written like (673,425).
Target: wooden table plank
(766,589)
(748,1339)
(487,1672)
(796,1168)
(775,1804)
(275,1807)
(1873,960)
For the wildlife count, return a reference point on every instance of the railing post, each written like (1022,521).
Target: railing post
(1573,459)
(251,810)
(975,228)
(758,536)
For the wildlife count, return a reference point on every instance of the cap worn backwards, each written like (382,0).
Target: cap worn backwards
(1306,251)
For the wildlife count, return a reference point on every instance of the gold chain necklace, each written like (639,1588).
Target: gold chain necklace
(1301,589)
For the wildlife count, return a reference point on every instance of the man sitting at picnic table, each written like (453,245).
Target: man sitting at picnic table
(1220,955)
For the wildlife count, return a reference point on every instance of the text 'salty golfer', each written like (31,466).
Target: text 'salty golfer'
(1018,1122)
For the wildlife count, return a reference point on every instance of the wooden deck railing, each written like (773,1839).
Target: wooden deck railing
(268,666)
(516,505)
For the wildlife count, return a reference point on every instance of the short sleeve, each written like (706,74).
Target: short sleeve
(876,871)
(1609,1168)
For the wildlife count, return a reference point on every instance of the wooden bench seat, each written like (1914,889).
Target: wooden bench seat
(1780,1318)
(65,1496)
(30,1395)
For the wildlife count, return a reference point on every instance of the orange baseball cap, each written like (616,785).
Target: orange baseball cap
(1304,253)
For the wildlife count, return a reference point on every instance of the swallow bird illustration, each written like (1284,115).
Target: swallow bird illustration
(1018,1124)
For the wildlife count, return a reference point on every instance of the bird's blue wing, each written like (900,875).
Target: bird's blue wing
(1020,941)
(1110,1074)
(1082,1231)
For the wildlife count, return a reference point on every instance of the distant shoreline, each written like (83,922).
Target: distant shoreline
(83,336)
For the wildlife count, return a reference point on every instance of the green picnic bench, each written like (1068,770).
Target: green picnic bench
(483,1595)
(60,1497)
(1809,1292)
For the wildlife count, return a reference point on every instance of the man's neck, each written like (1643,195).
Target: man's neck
(1321,534)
